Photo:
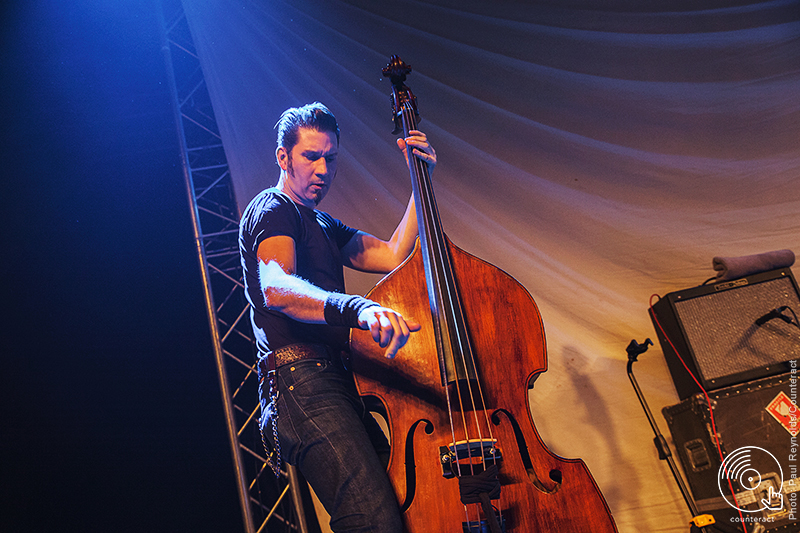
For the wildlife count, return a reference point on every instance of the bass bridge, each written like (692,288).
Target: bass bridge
(469,456)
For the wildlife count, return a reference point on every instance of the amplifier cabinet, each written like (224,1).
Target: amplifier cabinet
(731,332)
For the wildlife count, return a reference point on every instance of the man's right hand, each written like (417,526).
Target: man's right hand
(388,327)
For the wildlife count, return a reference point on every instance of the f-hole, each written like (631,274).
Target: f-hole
(522,447)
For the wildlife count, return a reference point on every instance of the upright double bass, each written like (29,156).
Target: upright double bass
(465,456)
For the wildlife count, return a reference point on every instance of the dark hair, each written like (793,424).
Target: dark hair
(315,116)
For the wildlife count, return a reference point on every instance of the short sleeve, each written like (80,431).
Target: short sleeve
(269,214)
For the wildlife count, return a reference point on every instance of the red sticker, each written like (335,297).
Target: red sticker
(785,412)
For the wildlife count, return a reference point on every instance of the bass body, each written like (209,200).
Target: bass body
(540,492)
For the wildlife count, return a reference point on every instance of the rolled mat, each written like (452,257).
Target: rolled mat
(729,268)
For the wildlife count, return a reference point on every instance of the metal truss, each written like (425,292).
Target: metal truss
(215,217)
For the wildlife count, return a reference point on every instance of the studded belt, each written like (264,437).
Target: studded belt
(293,353)
(297,352)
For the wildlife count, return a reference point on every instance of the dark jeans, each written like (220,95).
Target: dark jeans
(326,431)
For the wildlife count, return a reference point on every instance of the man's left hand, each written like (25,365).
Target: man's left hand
(420,147)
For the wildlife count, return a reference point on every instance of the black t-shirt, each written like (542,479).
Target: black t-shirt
(318,239)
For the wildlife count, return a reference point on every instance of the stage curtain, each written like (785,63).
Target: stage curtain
(599,152)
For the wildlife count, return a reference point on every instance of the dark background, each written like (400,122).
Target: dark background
(112,417)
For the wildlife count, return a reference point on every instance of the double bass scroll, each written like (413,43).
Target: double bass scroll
(465,456)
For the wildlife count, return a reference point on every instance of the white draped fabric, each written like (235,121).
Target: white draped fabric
(599,152)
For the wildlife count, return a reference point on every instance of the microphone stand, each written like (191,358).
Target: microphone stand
(703,523)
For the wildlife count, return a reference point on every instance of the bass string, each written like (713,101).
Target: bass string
(424,210)
(449,300)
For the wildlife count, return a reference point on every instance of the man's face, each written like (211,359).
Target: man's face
(310,167)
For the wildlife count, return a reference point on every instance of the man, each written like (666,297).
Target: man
(293,257)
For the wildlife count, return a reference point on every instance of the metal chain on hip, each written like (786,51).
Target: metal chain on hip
(274,456)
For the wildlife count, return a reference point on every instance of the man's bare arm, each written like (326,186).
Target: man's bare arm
(305,302)
(368,253)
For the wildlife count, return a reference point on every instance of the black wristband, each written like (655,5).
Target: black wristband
(343,309)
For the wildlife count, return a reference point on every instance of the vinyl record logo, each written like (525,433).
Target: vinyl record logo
(737,467)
